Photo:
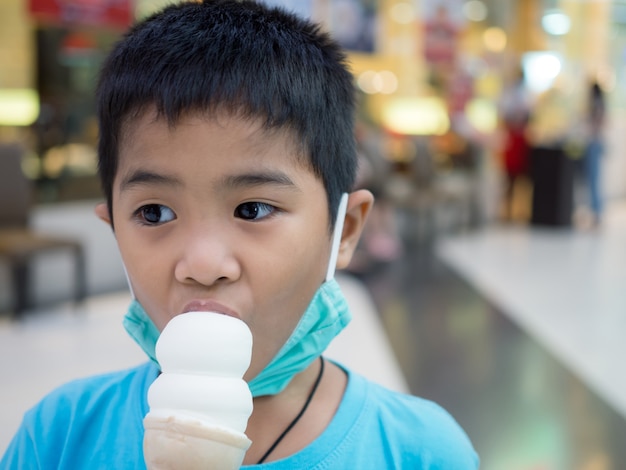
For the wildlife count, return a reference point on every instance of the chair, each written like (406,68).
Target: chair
(20,244)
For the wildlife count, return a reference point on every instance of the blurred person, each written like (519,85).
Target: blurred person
(595,149)
(515,113)
(228,163)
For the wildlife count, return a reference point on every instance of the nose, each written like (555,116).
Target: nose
(206,257)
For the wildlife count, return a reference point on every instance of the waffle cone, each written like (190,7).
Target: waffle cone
(188,444)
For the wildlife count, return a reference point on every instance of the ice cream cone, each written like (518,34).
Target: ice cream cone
(187,444)
(199,404)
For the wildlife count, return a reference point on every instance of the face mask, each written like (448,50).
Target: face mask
(324,318)
(139,326)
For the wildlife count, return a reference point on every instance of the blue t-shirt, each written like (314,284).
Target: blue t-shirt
(96,423)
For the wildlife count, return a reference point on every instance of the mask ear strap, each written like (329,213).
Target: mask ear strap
(334,251)
(130,286)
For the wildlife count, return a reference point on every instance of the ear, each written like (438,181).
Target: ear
(102,211)
(359,204)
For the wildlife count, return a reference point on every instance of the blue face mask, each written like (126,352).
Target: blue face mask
(324,318)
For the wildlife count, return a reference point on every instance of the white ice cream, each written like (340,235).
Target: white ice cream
(200,396)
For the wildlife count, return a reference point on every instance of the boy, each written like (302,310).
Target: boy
(226,145)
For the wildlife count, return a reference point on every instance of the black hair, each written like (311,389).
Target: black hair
(242,57)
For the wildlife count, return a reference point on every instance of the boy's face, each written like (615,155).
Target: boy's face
(218,214)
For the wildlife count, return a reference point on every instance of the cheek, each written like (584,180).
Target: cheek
(287,285)
(133,253)
(145,270)
(283,292)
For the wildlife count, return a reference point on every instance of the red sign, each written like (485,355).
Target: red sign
(107,13)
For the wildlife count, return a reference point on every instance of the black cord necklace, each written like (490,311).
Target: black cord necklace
(297,418)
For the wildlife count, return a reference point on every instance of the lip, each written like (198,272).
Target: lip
(209,306)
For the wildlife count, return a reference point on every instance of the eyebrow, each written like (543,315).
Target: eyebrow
(259,178)
(142,177)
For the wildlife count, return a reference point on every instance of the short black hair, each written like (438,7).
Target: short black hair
(238,56)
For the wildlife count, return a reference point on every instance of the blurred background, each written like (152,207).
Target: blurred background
(493,265)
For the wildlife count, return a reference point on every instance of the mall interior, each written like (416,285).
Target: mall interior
(488,283)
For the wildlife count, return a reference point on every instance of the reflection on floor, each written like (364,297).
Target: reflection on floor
(565,289)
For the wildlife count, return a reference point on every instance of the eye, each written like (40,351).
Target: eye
(154,214)
(254,210)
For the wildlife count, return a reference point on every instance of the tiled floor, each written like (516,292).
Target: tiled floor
(515,331)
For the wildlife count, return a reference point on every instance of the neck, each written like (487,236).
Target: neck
(273,414)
